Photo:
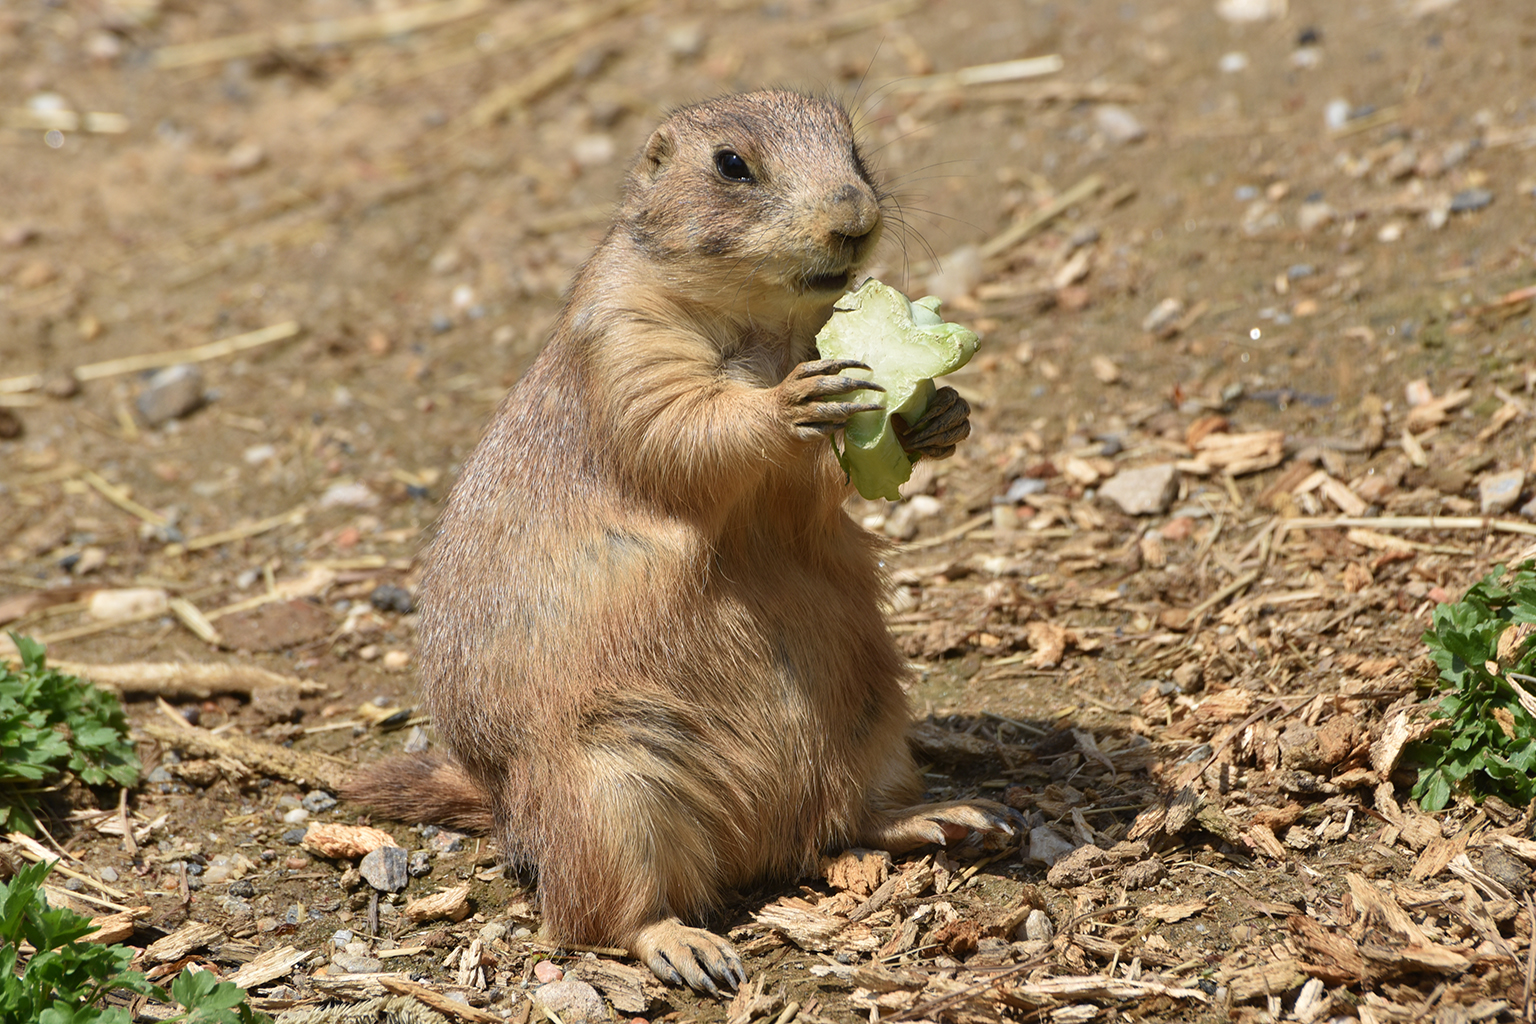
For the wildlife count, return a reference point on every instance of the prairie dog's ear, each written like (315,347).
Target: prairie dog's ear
(658,153)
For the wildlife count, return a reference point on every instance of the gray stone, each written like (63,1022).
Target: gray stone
(574,1002)
(1046,847)
(357,964)
(446,841)
(386,868)
(1038,927)
(1499,491)
(1146,491)
(1470,199)
(170,394)
(421,864)
(317,800)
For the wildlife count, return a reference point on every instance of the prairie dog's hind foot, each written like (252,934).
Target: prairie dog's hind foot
(680,955)
(941,824)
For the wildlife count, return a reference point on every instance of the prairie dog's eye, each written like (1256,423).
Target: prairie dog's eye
(731,166)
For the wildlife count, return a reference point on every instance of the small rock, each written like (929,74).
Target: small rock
(547,971)
(447,842)
(1336,114)
(294,836)
(341,938)
(387,597)
(317,800)
(108,875)
(420,864)
(1314,214)
(1243,11)
(1046,847)
(1118,124)
(357,964)
(574,1002)
(1076,868)
(1143,874)
(296,816)
(1163,316)
(1470,199)
(1148,490)
(686,41)
(592,151)
(1233,62)
(1022,488)
(1038,927)
(496,931)
(108,605)
(243,888)
(1499,491)
(386,869)
(349,495)
(417,741)
(1507,869)
(171,394)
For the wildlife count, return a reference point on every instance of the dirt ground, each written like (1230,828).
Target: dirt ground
(1290,257)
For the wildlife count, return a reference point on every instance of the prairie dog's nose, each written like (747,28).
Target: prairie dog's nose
(852,211)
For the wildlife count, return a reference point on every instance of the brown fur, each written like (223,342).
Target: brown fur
(649,632)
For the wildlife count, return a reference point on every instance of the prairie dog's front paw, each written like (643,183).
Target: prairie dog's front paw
(808,394)
(680,955)
(945,423)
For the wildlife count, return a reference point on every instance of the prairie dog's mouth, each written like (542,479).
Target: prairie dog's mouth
(837,282)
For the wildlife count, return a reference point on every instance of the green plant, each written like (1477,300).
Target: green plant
(52,723)
(1487,742)
(68,975)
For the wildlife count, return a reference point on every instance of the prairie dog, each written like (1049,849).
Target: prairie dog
(650,635)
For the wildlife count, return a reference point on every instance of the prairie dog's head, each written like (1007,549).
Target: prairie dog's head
(764,192)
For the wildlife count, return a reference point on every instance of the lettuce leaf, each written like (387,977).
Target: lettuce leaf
(906,344)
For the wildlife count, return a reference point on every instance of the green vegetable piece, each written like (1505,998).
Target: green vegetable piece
(906,344)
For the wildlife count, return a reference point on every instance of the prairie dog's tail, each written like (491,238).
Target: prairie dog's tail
(422,789)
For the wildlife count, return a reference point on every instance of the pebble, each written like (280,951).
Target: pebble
(445,841)
(357,964)
(687,40)
(1242,11)
(1468,200)
(243,888)
(74,885)
(294,836)
(108,874)
(1038,927)
(574,1002)
(1314,214)
(107,605)
(547,971)
(387,597)
(349,495)
(341,938)
(1046,847)
(1022,488)
(296,816)
(493,932)
(420,864)
(1118,124)
(1499,491)
(1148,490)
(417,741)
(385,868)
(171,394)
(1163,316)
(317,800)
(1233,62)
(1336,114)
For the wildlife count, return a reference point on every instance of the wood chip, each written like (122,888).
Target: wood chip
(450,904)
(190,936)
(345,842)
(269,966)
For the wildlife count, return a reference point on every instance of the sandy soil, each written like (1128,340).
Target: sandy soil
(1338,199)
